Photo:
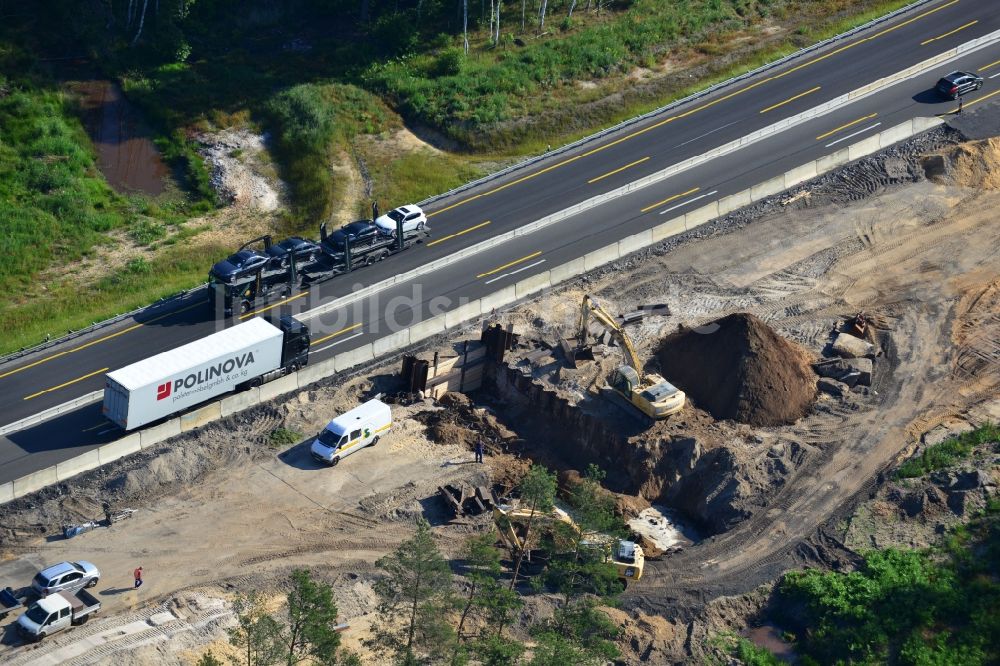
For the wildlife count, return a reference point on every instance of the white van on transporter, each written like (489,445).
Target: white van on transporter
(353,431)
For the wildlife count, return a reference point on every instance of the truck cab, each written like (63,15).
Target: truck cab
(56,612)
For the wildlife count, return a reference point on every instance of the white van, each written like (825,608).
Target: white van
(350,432)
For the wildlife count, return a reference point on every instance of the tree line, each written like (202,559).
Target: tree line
(429,614)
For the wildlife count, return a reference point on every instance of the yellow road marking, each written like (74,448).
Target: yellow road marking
(845,126)
(94,342)
(72,381)
(95,427)
(966,105)
(333,335)
(669,199)
(271,307)
(992,64)
(516,261)
(618,170)
(790,100)
(712,103)
(464,231)
(948,34)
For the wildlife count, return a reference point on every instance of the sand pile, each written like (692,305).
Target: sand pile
(738,368)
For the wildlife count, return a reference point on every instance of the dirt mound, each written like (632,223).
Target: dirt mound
(738,368)
(976,164)
(461,423)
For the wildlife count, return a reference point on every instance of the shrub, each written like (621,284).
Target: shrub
(948,452)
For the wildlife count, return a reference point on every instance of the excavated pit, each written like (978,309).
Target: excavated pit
(738,368)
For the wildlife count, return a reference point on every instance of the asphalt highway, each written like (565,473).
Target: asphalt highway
(56,375)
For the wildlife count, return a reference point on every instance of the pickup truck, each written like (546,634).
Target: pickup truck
(56,612)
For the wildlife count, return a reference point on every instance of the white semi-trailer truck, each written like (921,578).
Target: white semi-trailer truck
(245,355)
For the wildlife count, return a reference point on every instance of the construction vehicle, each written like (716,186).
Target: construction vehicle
(653,395)
(512,523)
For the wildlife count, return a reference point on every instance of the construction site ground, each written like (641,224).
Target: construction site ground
(911,239)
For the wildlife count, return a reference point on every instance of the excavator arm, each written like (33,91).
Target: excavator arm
(592,307)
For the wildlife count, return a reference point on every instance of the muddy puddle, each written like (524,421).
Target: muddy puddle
(769,637)
(126,154)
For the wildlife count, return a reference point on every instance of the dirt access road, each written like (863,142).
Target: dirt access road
(924,258)
(243,527)
(921,256)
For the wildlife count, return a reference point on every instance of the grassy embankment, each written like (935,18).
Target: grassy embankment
(315,106)
(910,607)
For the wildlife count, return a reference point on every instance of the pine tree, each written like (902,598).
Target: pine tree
(257,634)
(415,595)
(538,492)
(312,620)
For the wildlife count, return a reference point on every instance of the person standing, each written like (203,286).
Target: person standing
(960,105)
(479,449)
(374,210)
(138,577)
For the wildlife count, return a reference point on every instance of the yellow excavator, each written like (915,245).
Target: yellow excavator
(653,395)
(511,522)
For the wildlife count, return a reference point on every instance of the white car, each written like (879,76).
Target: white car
(412,217)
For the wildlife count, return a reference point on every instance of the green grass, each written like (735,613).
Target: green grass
(68,305)
(949,452)
(903,607)
(283,437)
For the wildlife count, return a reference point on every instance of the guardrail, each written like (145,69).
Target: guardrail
(676,103)
(725,149)
(429,328)
(523,164)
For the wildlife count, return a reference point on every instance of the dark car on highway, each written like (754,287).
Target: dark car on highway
(355,232)
(304,251)
(241,263)
(956,84)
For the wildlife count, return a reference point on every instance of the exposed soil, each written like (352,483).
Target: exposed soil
(125,151)
(219,511)
(242,172)
(738,368)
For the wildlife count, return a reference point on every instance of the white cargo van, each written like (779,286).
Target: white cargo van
(350,432)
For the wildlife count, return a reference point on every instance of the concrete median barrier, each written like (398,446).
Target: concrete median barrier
(498,299)
(120,448)
(700,216)
(349,359)
(281,386)
(800,175)
(464,312)
(667,229)
(637,242)
(390,343)
(313,372)
(833,161)
(35,481)
(863,148)
(427,328)
(734,202)
(155,434)
(199,417)
(922,124)
(84,462)
(597,258)
(239,401)
(563,272)
(437,325)
(532,285)
(768,188)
